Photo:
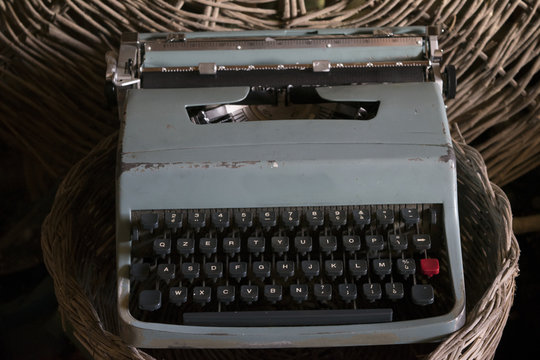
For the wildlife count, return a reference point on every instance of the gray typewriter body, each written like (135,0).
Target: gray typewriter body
(167,161)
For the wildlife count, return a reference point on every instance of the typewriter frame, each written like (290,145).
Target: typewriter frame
(424,158)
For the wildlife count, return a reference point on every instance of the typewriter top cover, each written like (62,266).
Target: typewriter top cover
(284,119)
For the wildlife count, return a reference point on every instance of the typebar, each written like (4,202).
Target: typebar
(289,317)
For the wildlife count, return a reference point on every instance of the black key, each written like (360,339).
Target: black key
(299,292)
(337,218)
(410,216)
(422,294)
(357,268)
(406,267)
(273,293)
(267,219)
(327,244)
(288,317)
(375,242)
(421,242)
(166,271)
(351,243)
(310,268)
(372,291)
(150,221)
(162,246)
(178,295)
(225,294)
(361,217)
(150,300)
(347,292)
(185,246)
(255,245)
(394,290)
(261,269)
(398,243)
(191,270)
(315,217)
(290,218)
(213,270)
(243,219)
(249,293)
(208,246)
(303,244)
(333,268)
(220,219)
(322,292)
(238,270)
(231,245)
(280,244)
(385,216)
(382,267)
(173,220)
(140,271)
(285,269)
(202,294)
(197,219)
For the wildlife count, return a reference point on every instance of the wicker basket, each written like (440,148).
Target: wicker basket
(52,66)
(79,250)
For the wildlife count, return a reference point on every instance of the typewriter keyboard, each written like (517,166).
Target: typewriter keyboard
(289,266)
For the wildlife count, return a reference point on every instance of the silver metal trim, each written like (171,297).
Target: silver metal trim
(321,66)
(280,43)
(127,66)
(384,64)
(207,68)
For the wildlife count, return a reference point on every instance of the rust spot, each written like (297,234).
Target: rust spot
(139,166)
(450,155)
(235,164)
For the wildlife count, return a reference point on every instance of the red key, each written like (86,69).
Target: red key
(429,267)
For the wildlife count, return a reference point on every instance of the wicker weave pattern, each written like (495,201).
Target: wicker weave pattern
(51,65)
(53,110)
(79,246)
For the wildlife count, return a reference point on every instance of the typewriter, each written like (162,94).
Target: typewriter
(287,188)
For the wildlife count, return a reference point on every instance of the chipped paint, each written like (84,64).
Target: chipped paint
(141,167)
(450,155)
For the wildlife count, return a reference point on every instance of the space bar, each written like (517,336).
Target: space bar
(288,317)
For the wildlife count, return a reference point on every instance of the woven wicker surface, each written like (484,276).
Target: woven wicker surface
(52,65)
(53,111)
(79,251)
